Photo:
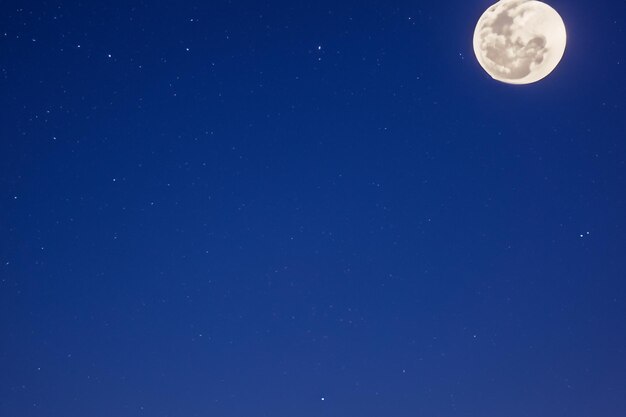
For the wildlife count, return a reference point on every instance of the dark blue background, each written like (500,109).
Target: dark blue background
(318,209)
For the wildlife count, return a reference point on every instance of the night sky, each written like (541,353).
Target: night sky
(307,209)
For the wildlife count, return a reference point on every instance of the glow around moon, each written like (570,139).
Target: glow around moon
(519,41)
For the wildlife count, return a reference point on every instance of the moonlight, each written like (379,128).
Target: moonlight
(519,41)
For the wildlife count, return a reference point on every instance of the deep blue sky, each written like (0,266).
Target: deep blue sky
(309,209)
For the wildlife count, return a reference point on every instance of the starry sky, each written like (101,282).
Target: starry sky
(311,209)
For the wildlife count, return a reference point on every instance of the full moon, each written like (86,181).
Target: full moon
(519,41)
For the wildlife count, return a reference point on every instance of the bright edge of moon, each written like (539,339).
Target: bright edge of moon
(519,41)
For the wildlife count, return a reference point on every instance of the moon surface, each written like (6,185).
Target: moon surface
(519,41)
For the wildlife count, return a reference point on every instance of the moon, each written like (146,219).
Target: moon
(519,41)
